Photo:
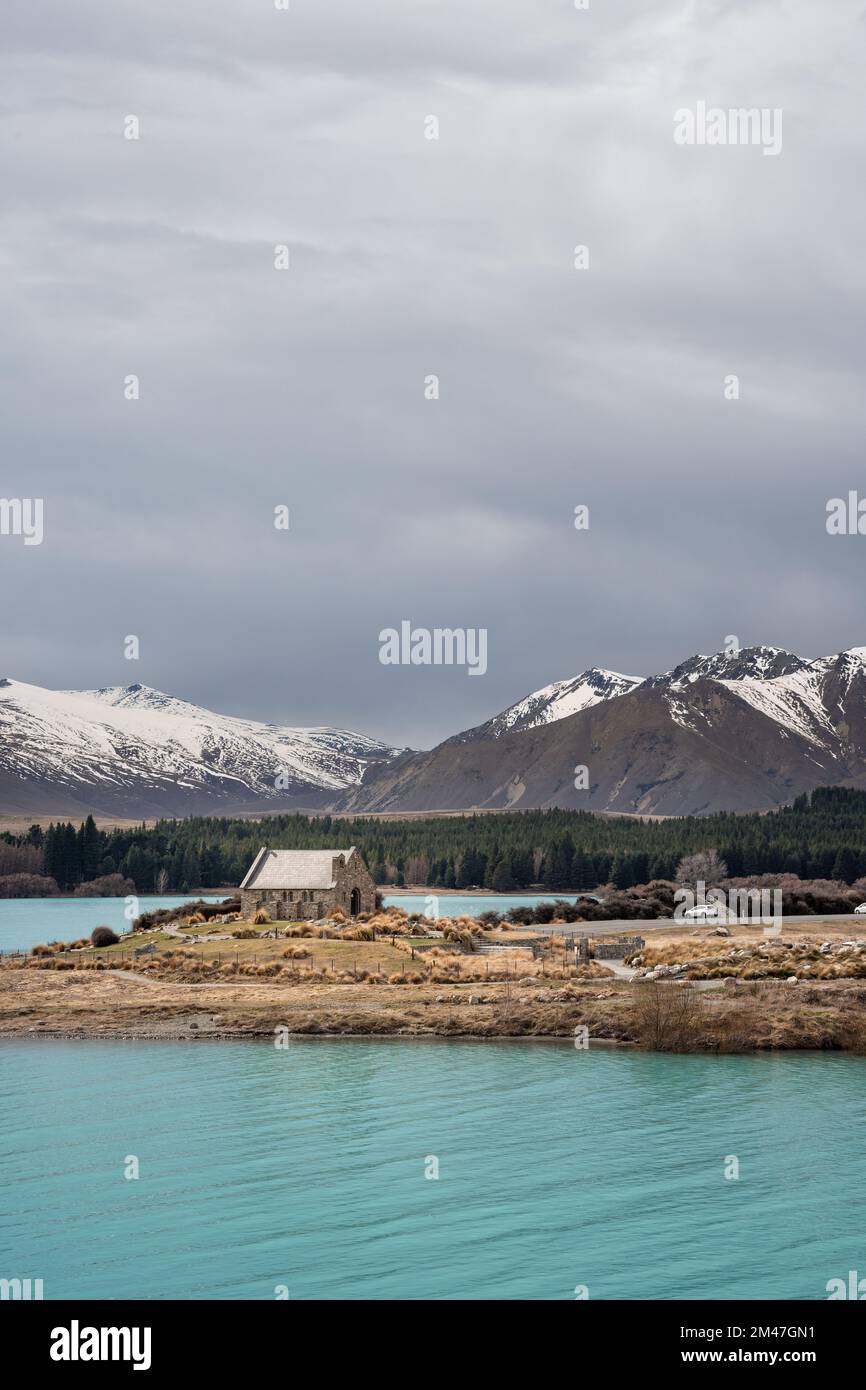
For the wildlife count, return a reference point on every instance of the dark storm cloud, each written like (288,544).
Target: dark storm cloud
(412,257)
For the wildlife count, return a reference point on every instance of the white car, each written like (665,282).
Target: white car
(860,911)
(701,914)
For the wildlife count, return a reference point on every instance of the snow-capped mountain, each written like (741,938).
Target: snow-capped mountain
(820,700)
(749,663)
(741,732)
(133,750)
(566,697)
(556,701)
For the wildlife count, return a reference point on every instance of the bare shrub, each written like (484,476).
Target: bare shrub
(704,867)
(667,1017)
(108,886)
(28,886)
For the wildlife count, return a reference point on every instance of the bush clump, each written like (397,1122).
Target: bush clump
(103,936)
(28,886)
(159,917)
(108,886)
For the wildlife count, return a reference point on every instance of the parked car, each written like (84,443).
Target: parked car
(708,913)
(861,910)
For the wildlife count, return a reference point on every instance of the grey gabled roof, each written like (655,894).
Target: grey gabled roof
(294,868)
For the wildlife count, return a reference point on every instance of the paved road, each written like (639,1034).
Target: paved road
(622,972)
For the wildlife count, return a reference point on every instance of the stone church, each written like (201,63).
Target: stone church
(304,884)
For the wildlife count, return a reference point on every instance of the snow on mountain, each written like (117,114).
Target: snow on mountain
(794,701)
(567,697)
(556,701)
(810,700)
(139,741)
(749,663)
(717,732)
(736,732)
(845,667)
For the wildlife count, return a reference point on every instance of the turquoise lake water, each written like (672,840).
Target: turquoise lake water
(469,904)
(305,1168)
(28,922)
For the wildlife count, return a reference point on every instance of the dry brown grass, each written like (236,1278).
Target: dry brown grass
(154,996)
(755,958)
(359,933)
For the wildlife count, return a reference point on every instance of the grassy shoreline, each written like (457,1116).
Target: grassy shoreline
(196,977)
(743,1017)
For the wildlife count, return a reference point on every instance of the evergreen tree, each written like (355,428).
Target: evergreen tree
(603,865)
(521,866)
(640,867)
(621,873)
(502,880)
(558,875)
(845,865)
(50,854)
(582,871)
(90,845)
(70,856)
(191,871)
(471,871)
(815,836)
(212,874)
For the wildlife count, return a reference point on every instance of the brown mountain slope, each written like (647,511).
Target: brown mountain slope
(683,752)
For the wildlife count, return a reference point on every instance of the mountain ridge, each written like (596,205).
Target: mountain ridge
(745,730)
(134,750)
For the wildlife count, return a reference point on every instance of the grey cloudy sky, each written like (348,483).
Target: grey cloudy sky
(411,257)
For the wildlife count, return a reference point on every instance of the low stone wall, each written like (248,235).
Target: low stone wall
(615,950)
